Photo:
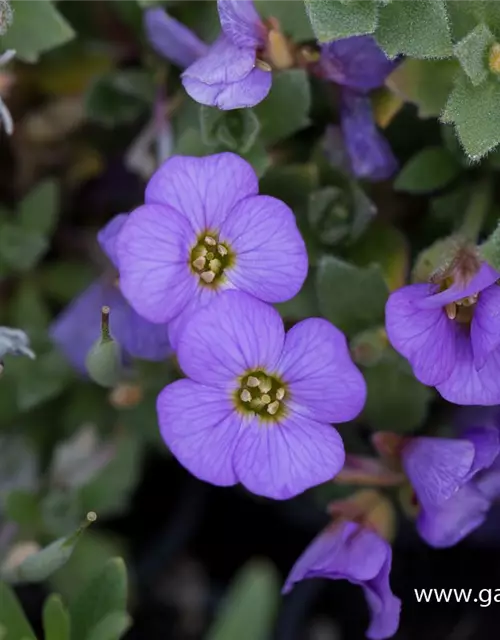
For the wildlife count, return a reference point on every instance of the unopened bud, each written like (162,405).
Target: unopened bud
(278,50)
(104,360)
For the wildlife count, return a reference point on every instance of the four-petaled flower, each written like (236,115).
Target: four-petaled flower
(257,405)
(349,551)
(202,230)
(455,482)
(358,65)
(78,327)
(449,331)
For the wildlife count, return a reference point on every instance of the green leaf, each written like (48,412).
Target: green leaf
(279,121)
(250,606)
(430,169)
(419,29)
(22,507)
(13,622)
(333,19)
(56,623)
(235,130)
(303,305)
(291,16)
(119,97)
(490,249)
(41,565)
(352,298)
(425,83)
(475,111)
(112,627)
(63,280)
(40,208)
(29,311)
(108,492)
(37,27)
(396,400)
(472,52)
(20,249)
(104,594)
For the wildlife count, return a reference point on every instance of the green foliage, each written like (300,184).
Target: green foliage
(119,97)
(13,623)
(250,605)
(37,27)
(490,249)
(277,120)
(396,400)
(56,623)
(230,130)
(352,298)
(418,29)
(334,19)
(39,210)
(291,16)
(104,362)
(102,596)
(472,51)
(430,169)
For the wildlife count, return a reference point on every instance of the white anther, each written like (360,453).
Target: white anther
(199,263)
(222,250)
(265,385)
(215,265)
(245,395)
(200,251)
(207,276)
(451,310)
(252,381)
(273,407)
(210,241)
(280,394)
(264,66)
(266,399)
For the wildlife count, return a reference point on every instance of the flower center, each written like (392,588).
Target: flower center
(462,310)
(261,394)
(209,257)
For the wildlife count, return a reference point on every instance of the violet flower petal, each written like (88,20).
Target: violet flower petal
(485,325)
(171,39)
(241,23)
(108,235)
(324,383)
(224,63)
(204,190)
(271,257)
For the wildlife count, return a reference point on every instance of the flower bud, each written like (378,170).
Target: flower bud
(104,360)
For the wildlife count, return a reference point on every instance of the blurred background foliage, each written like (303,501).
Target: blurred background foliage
(96,111)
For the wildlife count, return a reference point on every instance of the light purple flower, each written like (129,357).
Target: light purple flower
(77,328)
(349,551)
(451,337)
(257,403)
(229,75)
(204,229)
(454,481)
(358,65)
(171,39)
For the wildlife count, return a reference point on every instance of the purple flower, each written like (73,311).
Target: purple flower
(171,39)
(78,326)
(229,76)
(358,65)
(349,551)
(204,229)
(257,405)
(450,333)
(454,481)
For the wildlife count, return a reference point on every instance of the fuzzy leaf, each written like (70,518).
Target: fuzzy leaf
(37,27)
(490,250)
(475,111)
(419,29)
(352,298)
(112,627)
(333,19)
(39,209)
(235,130)
(472,51)
(20,249)
(279,121)
(430,169)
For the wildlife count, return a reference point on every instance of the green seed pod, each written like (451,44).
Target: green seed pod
(104,360)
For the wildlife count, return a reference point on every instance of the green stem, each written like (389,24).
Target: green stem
(477,209)
(105,335)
